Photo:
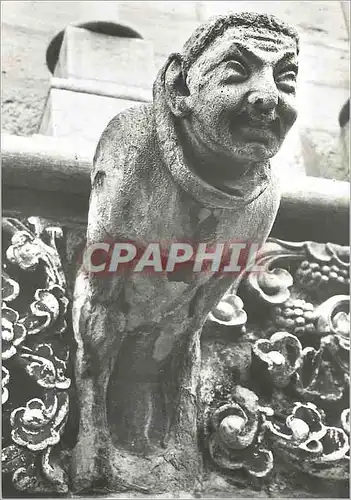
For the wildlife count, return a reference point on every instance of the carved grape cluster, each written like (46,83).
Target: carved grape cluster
(312,274)
(296,316)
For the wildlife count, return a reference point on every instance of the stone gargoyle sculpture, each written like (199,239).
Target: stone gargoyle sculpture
(194,168)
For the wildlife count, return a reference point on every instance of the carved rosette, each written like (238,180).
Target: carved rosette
(298,329)
(237,434)
(34,356)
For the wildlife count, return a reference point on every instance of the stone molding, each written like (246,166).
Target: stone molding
(101,88)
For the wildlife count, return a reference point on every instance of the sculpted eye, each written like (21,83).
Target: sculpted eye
(286,80)
(235,71)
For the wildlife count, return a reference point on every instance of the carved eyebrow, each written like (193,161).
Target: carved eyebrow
(238,48)
(235,49)
(286,58)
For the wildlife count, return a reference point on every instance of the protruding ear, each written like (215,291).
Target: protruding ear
(175,86)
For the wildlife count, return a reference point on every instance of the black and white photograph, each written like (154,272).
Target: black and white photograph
(175,249)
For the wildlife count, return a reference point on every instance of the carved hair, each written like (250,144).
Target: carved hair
(216,26)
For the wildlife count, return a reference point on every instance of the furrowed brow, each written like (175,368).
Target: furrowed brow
(289,57)
(238,47)
(234,50)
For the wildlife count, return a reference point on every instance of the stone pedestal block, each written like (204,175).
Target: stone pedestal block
(79,115)
(93,56)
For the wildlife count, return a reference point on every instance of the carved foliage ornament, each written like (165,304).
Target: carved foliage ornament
(34,355)
(292,401)
(296,403)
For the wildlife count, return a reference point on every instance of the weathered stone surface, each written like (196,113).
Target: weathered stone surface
(93,56)
(325,153)
(67,114)
(194,166)
(138,369)
(25,79)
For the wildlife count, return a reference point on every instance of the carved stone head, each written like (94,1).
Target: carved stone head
(232,90)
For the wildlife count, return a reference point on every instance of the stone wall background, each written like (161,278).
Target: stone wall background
(29,26)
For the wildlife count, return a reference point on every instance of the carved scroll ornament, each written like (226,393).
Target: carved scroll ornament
(34,356)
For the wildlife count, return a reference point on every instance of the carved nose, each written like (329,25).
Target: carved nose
(263,102)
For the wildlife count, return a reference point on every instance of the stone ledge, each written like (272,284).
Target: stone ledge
(51,177)
(101,88)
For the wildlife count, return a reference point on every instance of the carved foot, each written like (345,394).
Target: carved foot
(111,470)
(104,469)
(171,470)
(91,467)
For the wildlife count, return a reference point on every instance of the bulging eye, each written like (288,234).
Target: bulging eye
(286,81)
(235,71)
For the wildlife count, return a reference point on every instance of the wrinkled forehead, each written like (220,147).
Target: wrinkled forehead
(261,38)
(266,44)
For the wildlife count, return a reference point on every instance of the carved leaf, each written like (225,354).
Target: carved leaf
(48,310)
(272,286)
(282,355)
(302,426)
(24,251)
(345,420)
(335,445)
(39,424)
(45,368)
(258,461)
(229,312)
(306,439)
(332,316)
(25,478)
(319,374)
(10,288)
(27,250)
(303,290)
(14,457)
(5,378)
(236,430)
(237,435)
(13,333)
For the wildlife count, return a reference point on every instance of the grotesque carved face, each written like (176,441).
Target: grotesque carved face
(241,98)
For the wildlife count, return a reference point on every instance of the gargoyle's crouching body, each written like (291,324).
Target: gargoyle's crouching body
(138,334)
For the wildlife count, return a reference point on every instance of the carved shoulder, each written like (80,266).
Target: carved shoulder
(124,158)
(266,208)
(130,130)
